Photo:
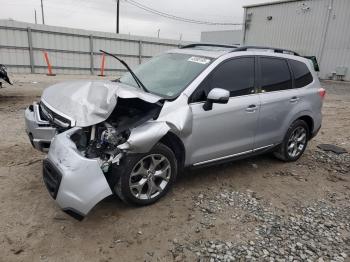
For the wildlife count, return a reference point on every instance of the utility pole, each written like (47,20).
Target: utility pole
(117,18)
(158,32)
(36,21)
(42,12)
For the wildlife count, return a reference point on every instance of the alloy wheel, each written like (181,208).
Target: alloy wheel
(297,142)
(150,176)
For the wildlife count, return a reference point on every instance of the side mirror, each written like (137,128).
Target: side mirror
(216,95)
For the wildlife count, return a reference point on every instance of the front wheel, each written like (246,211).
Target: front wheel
(294,143)
(145,178)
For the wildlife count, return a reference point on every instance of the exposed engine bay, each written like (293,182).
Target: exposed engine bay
(101,140)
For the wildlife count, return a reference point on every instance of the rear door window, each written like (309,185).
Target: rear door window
(275,74)
(302,75)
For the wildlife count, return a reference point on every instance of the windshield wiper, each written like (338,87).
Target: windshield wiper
(137,80)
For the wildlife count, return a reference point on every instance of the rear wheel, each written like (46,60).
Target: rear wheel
(294,143)
(145,178)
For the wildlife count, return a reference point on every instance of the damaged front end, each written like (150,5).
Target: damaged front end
(42,125)
(75,104)
(76,183)
(103,140)
(89,126)
(77,171)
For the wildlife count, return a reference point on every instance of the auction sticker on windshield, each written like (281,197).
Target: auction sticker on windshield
(199,60)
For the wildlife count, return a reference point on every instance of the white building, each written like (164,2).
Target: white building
(225,37)
(309,27)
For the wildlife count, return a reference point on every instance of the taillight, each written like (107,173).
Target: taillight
(322,92)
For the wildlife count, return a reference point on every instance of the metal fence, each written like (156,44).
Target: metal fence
(71,51)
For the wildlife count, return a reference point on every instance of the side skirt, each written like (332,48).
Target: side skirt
(235,157)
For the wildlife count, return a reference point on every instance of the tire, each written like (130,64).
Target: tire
(289,152)
(141,181)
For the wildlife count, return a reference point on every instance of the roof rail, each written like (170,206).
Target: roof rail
(276,50)
(208,45)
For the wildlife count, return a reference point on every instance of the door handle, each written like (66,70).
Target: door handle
(294,99)
(251,108)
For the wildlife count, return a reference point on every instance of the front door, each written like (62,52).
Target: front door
(227,129)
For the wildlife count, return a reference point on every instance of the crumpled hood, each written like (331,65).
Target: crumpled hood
(88,102)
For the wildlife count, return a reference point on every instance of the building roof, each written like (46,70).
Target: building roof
(271,3)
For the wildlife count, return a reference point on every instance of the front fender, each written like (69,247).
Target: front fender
(175,117)
(144,137)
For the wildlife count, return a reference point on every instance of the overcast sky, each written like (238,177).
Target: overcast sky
(100,15)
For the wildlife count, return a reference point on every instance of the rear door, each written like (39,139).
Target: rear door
(279,100)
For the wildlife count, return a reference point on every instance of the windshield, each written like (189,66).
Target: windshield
(168,74)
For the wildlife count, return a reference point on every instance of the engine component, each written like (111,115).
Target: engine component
(105,165)
(110,135)
(104,139)
(93,133)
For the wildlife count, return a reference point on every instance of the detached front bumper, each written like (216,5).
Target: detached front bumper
(39,131)
(76,183)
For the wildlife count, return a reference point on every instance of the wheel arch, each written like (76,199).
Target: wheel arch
(172,141)
(310,123)
(305,116)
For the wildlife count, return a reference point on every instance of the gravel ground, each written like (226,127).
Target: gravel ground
(257,209)
(315,232)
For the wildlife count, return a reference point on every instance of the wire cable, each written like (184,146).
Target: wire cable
(174,17)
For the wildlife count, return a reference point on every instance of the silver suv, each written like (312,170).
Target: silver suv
(193,106)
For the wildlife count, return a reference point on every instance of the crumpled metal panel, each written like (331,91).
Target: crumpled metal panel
(89,102)
(144,137)
(178,115)
(83,184)
(175,117)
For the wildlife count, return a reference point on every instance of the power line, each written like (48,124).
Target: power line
(174,17)
(188,20)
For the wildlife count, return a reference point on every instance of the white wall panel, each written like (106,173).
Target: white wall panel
(10,37)
(69,49)
(152,50)
(14,57)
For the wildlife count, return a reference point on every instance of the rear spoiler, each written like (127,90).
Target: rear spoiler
(314,62)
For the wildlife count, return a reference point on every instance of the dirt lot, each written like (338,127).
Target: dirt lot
(253,209)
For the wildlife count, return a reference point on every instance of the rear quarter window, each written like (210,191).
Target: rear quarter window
(302,74)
